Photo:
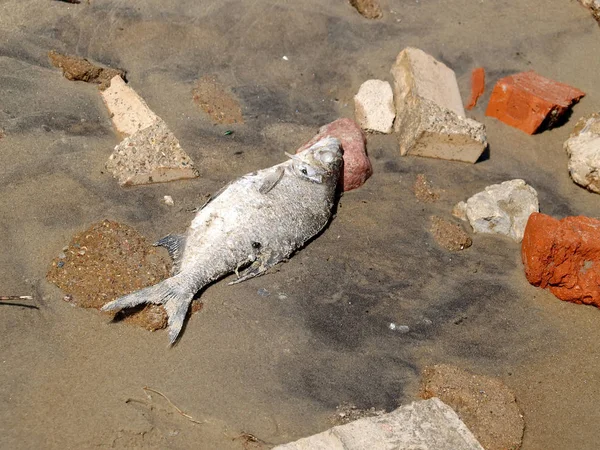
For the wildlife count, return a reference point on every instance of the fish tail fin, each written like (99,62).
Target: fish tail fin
(169,293)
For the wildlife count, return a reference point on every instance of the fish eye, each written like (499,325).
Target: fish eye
(304,172)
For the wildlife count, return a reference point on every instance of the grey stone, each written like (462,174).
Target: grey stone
(430,117)
(150,155)
(424,425)
(374,106)
(503,208)
(583,149)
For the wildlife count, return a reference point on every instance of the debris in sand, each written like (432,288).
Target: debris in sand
(583,150)
(483,403)
(426,425)
(531,102)
(374,106)
(151,155)
(430,117)
(349,412)
(367,8)
(594,7)
(2,133)
(424,190)
(168,200)
(563,256)
(216,101)
(70,1)
(187,416)
(449,235)
(503,208)
(80,69)
(128,111)
(357,167)
(116,260)
(477,86)
(16,297)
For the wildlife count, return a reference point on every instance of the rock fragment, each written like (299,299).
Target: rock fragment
(484,404)
(80,69)
(367,8)
(357,167)
(374,106)
(564,256)
(594,7)
(583,150)
(430,117)
(503,208)
(423,425)
(477,86)
(449,235)
(460,210)
(151,155)
(129,111)
(531,102)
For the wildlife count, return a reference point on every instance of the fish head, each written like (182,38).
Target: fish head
(320,162)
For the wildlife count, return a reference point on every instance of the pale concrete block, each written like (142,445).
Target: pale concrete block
(151,155)
(424,425)
(583,149)
(374,106)
(430,117)
(129,111)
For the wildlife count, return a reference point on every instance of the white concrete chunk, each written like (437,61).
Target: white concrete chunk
(374,106)
(424,425)
(583,149)
(129,111)
(430,117)
(151,155)
(503,208)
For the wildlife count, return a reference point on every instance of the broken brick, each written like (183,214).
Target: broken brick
(531,102)
(477,86)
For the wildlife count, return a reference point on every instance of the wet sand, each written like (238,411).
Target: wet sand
(277,366)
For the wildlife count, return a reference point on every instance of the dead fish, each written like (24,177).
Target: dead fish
(249,226)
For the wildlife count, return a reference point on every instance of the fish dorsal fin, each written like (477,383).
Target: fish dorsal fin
(174,243)
(270,180)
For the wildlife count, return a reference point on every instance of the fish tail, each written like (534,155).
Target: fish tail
(169,293)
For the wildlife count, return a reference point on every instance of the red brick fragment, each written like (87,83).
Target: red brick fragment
(531,102)
(477,86)
(564,256)
(357,167)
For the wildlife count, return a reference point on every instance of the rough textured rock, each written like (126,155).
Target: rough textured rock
(357,166)
(129,111)
(477,86)
(503,208)
(486,406)
(367,8)
(80,69)
(564,256)
(374,106)
(594,7)
(531,102)
(449,235)
(151,155)
(583,149)
(424,425)
(430,117)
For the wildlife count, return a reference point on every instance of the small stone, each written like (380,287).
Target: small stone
(430,117)
(129,111)
(367,8)
(583,150)
(484,404)
(168,200)
(374,106)
(80,69)
(357,166)
(503,208)
(563,256)
(151,155)
(460,210)
(531,102)
(449,235)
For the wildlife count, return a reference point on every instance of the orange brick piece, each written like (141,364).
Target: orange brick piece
(477,86)
(530,102)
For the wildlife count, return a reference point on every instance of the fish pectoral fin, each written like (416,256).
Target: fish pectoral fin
(263,262)
(174,243)
(270,180)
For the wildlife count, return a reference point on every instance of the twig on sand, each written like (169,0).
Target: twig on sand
(187,416)
(16,297)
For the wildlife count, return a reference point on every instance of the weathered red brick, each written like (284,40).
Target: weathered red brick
(477,86)
(531,102)
(564,256)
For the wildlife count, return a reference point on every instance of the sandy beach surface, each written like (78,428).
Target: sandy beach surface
(274,356)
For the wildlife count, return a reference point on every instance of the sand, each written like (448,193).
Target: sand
(276,366)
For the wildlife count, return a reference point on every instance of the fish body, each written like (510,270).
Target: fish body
(255,222)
